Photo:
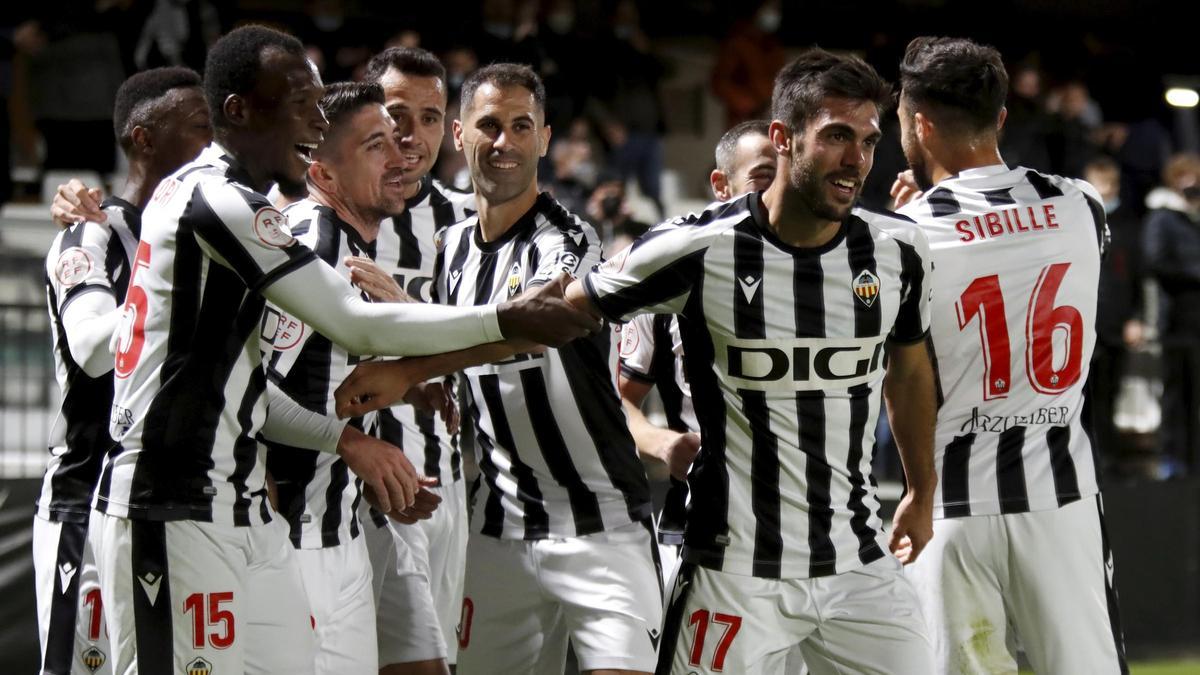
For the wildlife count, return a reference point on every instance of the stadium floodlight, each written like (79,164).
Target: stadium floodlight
(1182,97)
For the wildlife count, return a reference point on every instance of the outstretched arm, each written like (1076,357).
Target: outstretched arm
(909,391)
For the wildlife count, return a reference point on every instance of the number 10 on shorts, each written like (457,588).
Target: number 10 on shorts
(202,620)
(699,621)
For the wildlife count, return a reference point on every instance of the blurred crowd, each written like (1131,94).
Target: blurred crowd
(60,66)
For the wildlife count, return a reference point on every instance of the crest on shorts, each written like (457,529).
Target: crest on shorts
(93,658)
(866,287)
(199,666)
(73,266)
(514,279)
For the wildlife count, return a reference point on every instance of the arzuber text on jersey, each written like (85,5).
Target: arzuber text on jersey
(1007,221)
(1053,415)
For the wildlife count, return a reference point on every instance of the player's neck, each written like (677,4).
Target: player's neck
(496,219)
(967,155)
(364,221)
(793,222)
(140,184)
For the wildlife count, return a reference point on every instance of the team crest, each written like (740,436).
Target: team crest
(93,658)
(439,240)
(866,287)
(514,279)
(271,226)
(199,666)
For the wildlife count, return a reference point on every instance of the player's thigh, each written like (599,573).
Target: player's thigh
(70,619)
(870,623)
(610,590)
(724,623)
(958,578)
(279,634)
(1062,599)
(507,625)
(175,598)
(406,623)
(338,583)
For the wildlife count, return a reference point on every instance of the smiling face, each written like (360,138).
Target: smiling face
(502,135)
(366,166)
(417,105)
(832,154)
(284,122)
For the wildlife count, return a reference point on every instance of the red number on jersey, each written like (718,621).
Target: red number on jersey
(984,298)
(131,334)
(195,603)
(700,619)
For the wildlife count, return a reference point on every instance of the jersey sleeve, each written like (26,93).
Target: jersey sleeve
(241,230)
(912,319)
(637,348)
(656,274)
(574,251)
(77,263)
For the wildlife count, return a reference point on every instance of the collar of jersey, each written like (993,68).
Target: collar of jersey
(422,193)
(524,223)
(133,214)
(758,215)
(980,172)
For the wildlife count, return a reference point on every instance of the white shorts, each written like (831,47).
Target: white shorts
(191,597)
(338,581)
(405,621)
(864,621)
(439,549)
(524,599)
(1048,574)
(71,627)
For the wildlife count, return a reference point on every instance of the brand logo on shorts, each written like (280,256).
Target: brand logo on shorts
(199,666)
(150,582)
(866,287)
(93,658)
(65,572)
(653,635)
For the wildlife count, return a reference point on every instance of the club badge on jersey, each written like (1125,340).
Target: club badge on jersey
(514,279)
(866,287)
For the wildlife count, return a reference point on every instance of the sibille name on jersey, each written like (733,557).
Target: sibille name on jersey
(1007,221)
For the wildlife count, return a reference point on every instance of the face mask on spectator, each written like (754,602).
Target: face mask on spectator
(768,20)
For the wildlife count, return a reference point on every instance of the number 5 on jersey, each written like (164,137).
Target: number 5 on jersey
(131,333)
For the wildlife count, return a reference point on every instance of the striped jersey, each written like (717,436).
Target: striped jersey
(785,360)
(317,493)
(554,450)
(1016,258)
(408,245)
(652,353)
(87,258)
(188,397)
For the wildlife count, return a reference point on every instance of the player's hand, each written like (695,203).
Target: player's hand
(423,506)
(390,481)
(679,454)
(372,280)
(905,189)
(75,203)
(435,397)
(373,386)
(912,527)
(543,315)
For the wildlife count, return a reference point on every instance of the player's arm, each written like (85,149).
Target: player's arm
(90,320)
(87,305)
(674,449)
(911,399)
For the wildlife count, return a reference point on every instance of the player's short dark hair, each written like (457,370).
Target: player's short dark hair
(502,75)
(406,60)
(817,73)
(137,95)
(235,61)
(727,146)
(344,99)
(957,82)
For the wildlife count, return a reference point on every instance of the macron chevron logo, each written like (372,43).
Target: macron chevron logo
(749,287)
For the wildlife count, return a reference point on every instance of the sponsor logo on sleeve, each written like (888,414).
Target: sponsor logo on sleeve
(73,266)
(630,339)
(271,227)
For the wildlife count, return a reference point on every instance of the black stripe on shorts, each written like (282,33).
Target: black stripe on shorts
(64,605)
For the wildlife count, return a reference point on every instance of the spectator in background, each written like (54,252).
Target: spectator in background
(632,112)
(747,62)
(1171,246)
(342,39)
(1119,310)
(566,63)
(1077,118)
(572,167)
(609,214)
(1025,139)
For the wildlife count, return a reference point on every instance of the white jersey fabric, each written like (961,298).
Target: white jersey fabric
(785,361)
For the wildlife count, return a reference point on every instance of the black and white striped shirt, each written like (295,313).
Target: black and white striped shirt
(555,454)
(1016,258)
(408,246)
(317,493)
(652,353)
(785,361)
(87,258)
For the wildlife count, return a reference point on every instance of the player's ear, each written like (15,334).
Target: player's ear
(720,184)
(456,130)
(924,127)
(235,110)
(781,137)
(321,176)
(1000,120)
(142,140)
(543,140)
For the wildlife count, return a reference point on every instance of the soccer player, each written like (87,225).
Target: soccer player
(195,571)
(745,161)
(1020,537)
(789,299)
(414,88)
(161,121)
(561,543)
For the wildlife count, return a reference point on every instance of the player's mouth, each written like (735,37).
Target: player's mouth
(394,180)
(411,160)
(305,151)
(503,163)
(845,187)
